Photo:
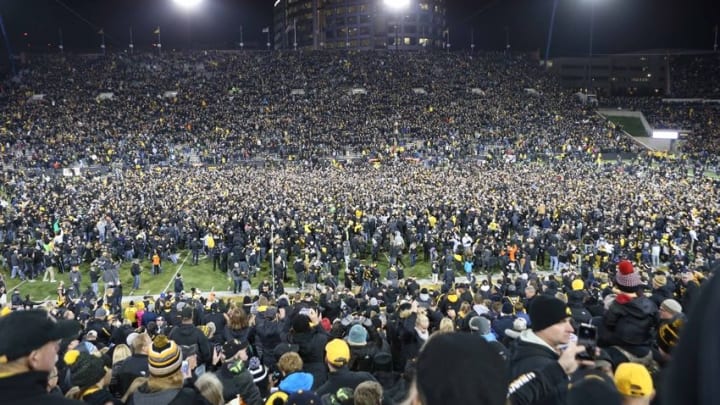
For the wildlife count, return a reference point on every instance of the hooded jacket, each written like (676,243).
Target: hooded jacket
(237,380)
(312,351)
(629,322)
(188,335)
(532,354)
(296,381)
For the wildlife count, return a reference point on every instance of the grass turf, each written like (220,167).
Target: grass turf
(631,125)
(200,276)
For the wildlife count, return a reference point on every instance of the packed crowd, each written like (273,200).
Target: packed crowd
(228,107)
(609,338)
(329,225)
(627,245)
(691,78)
(692,75)
(697,117)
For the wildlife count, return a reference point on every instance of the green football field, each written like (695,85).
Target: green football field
(631,125)
(200,276)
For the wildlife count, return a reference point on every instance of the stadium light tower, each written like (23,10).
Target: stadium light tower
(590,45)
(396,7)
(187,4)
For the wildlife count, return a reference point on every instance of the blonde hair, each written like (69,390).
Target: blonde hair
(120,353)
(446,325)
(422,320)
(210,388)
(172,381)
(289,362)
(142,341)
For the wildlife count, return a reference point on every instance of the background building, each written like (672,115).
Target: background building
(359,24)
(644,74)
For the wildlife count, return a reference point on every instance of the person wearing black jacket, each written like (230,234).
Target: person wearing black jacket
(537,349)
(337,358)
(660,289)
(413,333)
(311,339)
(136,365)
(268,329)
(218,319)
(188,335)
(234,375)
(28,347)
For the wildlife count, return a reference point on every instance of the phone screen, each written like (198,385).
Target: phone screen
(587,336)
(587,333)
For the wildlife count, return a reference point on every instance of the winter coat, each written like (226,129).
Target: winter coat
(188,395)
(629,322)
(343,378)
(296,381)
(29,388)
(267,336)
(532,354)
(312,351)
(237,380)
(188,335)
(410,341)
(132,368)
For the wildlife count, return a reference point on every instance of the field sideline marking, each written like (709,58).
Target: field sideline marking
(172,279)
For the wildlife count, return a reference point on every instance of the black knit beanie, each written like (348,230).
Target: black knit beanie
(546,311)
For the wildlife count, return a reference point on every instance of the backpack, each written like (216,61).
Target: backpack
(648,361)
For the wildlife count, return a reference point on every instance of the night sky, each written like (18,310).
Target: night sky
(620,25)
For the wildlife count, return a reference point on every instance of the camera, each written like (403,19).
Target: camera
(587,336)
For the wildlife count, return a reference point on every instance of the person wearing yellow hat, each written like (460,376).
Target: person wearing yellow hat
(634,383)
(337,357)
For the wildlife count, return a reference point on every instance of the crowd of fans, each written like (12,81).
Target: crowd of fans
(692,75)
(234,106)
(692,81)
(698,118)
(553,250)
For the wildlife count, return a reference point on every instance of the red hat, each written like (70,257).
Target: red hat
(627,279)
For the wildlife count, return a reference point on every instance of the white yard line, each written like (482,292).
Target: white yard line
(172,279)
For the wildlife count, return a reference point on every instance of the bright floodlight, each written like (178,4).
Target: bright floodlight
(397,4)
(187,4)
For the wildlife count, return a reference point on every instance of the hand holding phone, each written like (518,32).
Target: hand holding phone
(587,336)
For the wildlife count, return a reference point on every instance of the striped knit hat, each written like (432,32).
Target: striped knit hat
(164,357)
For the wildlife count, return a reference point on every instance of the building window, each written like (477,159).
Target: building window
(424,6)
(406,41)
(423,41)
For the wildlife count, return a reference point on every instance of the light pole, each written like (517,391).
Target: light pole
(550,32)
(590,45)
(272,259)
